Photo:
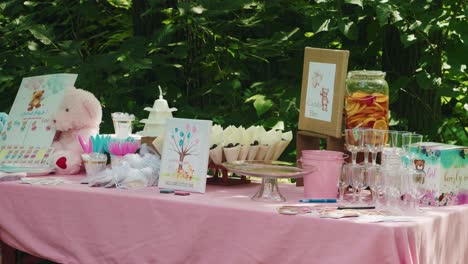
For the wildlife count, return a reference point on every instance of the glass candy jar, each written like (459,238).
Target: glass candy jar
(366,101)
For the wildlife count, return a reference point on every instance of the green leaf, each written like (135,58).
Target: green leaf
(424,80)
(236,84)
(30,3)
(349,29)
(40,33)
(383,13)
(354,2)
(126,4)
(324,26)
(387,13)
(408,39)
(415,25)
(261,104)
(198,10)
(395,87)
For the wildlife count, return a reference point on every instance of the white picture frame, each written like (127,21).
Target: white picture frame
(184,163)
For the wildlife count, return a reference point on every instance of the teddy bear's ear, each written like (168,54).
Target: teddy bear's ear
(91,105)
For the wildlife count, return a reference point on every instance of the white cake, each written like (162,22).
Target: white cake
(156,121)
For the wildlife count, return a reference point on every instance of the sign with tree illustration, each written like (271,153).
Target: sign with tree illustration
(184,163)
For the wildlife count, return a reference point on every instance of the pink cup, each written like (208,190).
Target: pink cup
(322,183)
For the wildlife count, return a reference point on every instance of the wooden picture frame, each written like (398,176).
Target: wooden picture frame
(323,91)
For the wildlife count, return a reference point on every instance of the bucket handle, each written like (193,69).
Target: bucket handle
(345,156)
(300,163)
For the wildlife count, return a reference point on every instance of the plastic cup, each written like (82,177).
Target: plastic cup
(123,124)
(116,161)
(94,163)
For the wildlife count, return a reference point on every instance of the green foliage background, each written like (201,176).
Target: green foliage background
(240,62)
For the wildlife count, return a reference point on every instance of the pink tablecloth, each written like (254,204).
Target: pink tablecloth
(74,223)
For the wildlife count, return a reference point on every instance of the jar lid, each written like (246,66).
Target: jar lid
(366,74)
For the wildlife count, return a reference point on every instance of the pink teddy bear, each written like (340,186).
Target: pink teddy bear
(324,94)
(79,114)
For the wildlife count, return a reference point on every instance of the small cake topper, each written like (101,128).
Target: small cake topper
(159,113)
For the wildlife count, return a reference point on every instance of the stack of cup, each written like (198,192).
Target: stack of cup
(94,163)
(322,183)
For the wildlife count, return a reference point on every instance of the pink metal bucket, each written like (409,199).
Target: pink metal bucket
(322,183)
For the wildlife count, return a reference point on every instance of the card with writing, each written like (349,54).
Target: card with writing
(29,122)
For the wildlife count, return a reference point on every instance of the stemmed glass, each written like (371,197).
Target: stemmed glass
(357,180)
(374,141)
(353,142)
(411,144)
(345,180)
(373,180)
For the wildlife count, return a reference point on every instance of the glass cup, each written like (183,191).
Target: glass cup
(117,161)
(94,163)
(123,124)
(413,181)
(392,187)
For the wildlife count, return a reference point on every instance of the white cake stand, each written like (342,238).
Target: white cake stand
(270,172)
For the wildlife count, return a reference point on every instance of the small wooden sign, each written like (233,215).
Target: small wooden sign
(323,91)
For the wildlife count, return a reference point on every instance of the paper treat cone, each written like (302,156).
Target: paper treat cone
(271,151)
(253,150)
(216,155)
(232,153)
(244,151)
(262,151)
(280,147)
(286,138)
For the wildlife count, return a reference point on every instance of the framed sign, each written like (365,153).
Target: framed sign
(323,91)
(184,164)
(28,134)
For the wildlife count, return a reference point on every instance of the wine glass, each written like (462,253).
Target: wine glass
(363,142)
(345,180)
(373,181)
(411,147)
(353,142)
(374,141)
(357,180)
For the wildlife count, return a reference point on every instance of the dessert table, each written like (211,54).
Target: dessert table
(74,223)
